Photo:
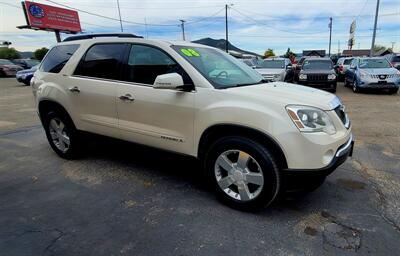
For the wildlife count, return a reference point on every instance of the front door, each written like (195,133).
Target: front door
(162,118)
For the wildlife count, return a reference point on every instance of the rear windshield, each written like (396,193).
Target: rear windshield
(396,59)
(317,64)
(374,63)
(347,61)
(58,56)
(272,64)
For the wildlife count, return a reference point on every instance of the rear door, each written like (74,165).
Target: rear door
(93,88)
(162,118)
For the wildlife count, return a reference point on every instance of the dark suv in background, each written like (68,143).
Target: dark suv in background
(317,72)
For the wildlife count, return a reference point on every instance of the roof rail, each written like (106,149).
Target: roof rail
(90,36)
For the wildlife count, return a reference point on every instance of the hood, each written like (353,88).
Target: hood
(269,71)
(318,71)
(288,94)
(380,71)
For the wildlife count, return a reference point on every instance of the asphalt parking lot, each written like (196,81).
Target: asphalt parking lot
(123,199)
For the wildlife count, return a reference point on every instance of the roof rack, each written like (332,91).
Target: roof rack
(90,36)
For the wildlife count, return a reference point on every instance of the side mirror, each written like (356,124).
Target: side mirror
(254,67)
(168,81)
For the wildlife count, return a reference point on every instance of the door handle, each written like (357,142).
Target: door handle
(74,89)
(126,97)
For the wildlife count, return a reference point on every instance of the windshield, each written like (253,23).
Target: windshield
(6,62)
(32,62)
(219,68)
(347,61)
(273,64)
(317,64)
(374,63)
(396,59)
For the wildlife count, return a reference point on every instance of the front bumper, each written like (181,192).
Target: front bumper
(319,84)
(341,155)
(389,84)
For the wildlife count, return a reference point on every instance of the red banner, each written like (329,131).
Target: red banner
(43,16)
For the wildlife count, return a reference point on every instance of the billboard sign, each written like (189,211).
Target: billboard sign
(46,17)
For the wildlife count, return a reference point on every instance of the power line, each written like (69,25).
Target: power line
(110,18)
(267,25)
(202,19)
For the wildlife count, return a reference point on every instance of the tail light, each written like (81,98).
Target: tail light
(341,68)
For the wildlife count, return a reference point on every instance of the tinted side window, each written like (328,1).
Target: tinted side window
(102,61)
(58,57)
(145,63)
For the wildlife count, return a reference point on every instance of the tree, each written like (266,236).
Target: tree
(40,53)
(269,53)
(9,53)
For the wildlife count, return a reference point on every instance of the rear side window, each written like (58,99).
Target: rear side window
(102,61)
(57,58)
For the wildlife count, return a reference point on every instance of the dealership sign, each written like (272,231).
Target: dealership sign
(46,17)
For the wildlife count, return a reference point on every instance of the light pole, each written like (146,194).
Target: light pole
(371,52)
(119,13)
(183,29)
(330,35)
(226,27)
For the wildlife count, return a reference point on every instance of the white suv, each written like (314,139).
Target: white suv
(252,137)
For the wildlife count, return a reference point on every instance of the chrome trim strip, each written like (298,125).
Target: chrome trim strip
(345,147)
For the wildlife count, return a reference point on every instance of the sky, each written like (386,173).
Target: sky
(254,25)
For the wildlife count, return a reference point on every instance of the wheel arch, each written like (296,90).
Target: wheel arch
(46,105)
(215,132)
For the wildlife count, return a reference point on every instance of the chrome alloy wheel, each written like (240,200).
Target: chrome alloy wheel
(239,175)
(58,134)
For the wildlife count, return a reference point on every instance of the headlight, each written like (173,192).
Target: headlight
(363,74)
(302,76)
(331,76)
(310,119)
(277,76)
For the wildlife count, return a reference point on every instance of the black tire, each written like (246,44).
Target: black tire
(346,83)
(355,87)
(393,91)
(333,90)
(268,168)
(73,150)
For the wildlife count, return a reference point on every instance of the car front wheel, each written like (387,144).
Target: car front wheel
(243,173)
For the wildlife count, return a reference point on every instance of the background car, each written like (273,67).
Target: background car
(25,76)
(319,73)
(394,59)
(25,63)
(7,68)
(249,62)
(276,69)
(341,66)
(373,73)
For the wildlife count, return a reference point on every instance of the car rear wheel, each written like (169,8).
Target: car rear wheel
(61,134)
(242,172)
(393,91)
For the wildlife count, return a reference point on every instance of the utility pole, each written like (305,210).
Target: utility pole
(226,28)
(330,35)
(119,13)
(338,47)
(371,53)
(393,46)
(183,29)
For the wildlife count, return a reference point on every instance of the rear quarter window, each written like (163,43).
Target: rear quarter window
(58,56)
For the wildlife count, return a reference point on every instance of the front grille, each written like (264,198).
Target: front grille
(268,77)
(383,76)
(317,77)
(342,116)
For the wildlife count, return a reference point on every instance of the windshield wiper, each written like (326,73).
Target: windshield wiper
(246,84)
